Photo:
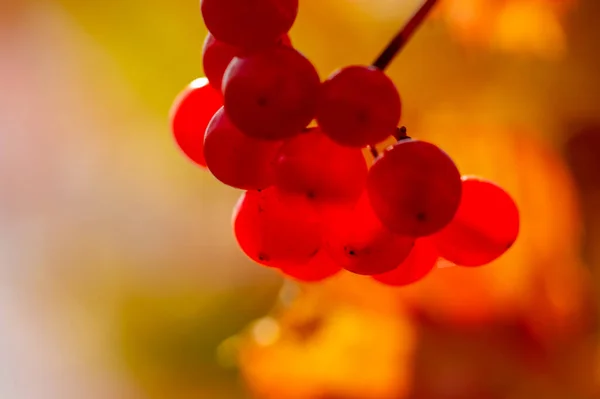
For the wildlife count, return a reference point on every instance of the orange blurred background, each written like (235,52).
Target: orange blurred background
(120,277)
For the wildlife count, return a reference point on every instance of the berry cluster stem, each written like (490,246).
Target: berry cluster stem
(401,134)
(398,43)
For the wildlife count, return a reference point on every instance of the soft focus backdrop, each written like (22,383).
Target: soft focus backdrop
(119,274)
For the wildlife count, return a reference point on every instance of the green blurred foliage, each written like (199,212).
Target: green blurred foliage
(157,44)
(168,338)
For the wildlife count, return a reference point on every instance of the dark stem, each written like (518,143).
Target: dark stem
(397,44)
(373,151)
(401,134)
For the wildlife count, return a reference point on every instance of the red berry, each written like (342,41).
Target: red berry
(249,23)
(271,94)
(190,114)
(359,243)
(238,160)
(318,268)
(486,225)
(359,105)
(313,165)
(414,188)
(286,40)
(216,57)
(274,231)
(417,265)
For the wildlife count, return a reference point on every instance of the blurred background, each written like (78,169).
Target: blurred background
(119,274)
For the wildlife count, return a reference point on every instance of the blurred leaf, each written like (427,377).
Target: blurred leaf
(157,44)
(169,337)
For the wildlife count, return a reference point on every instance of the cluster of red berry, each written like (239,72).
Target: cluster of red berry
(312,206)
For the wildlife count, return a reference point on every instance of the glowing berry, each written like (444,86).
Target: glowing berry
(271,94)
(238,160)
(415,267)
(217,55)
(286,40)
(313,165)
(358,242)
(190,114)
(249,23)
(486,225)
(320,267)
(359,106)
(276,232)
(414,188)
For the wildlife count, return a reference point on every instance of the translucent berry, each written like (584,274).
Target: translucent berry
(238,160)
(271,94)
(414,188)
(486,225)
(286,40)
(217,55)
(415,267)
(313,165)
(318,268)
(249,23)
(358,106)
(190,114)
(358,242)
(276,232)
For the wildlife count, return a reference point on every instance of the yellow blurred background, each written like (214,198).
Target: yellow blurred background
(120,277)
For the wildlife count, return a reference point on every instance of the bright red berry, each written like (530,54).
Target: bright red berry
(320,267)
(271,94)
(358,242)
(486,225)
(276,231)
(414,188)
(190,114)
(415,267)
(217,55)
(249,23)
(313,165)
(359,106)
(238,160)
(286,40)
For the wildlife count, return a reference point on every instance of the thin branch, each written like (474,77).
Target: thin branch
(398,43)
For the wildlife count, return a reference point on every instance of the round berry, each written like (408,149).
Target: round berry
(320,267)
(486,225)
(313,165)
(271,94)
(358,242)
(286,40)
(414,188)
(276,232)
(238,160)
(416,266)
(359,106)
(216,57)
(249,23)
(190,114)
